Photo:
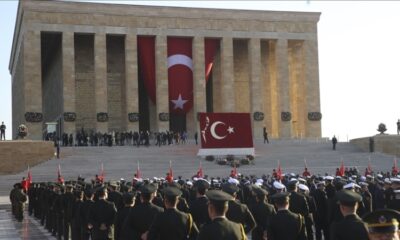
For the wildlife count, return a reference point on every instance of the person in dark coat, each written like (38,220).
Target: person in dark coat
(220,227)
(262,212)
(115,196)
(198,207)
(238,212)
(84,214)
(102,216)
(334,142)
(297,202)
(285,225)
(75,218)
(321,213)
(309,221)
(129,202)
(351,227)
(172,224)
(141,217)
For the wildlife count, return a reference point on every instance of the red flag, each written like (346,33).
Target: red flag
(29,178)
(369,166)
(395,170)
(180,74)
(101,176)
(279,172)
(147,63)
(226,130)
(306,173)
(60,178)
(138,173)
(200,172)
(234,173)
(341,169)
(170,175)
(210,49)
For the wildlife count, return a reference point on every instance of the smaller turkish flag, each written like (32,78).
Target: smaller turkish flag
(101,176)
(200,172)
(341,169)
(138,172)
(60,178)
(170,175)
(395,170)
(279,172)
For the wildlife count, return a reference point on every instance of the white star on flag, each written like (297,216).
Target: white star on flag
(230,129)
(179,102)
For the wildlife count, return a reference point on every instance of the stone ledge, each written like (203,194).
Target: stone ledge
(15,156)
(389,144)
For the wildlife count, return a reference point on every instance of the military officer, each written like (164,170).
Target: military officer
(285,225)
(84,213)
(101,217)
(129,202)
(351,227)
(142,215)
(238,212)
(172,223)
(198,207)
(18,199)
(262,212)
(321,213)
(383,224)
(220,227)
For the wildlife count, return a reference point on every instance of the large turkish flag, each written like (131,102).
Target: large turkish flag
(180,74)
(225,130)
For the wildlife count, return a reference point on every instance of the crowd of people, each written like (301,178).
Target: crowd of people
(277,207)
(135,138)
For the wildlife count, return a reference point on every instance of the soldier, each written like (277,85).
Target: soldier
(297,202)
(198,207)
(334,142)
(115,196)
(84,213)
(129,202)
(262,212)
(383,224)
(75,218)
(2,131)
(220,227)
(265,135)
(366,197)
(68,199)
(351,226)
(142,215)
(321,213)
(172,223)
(398,127)
(309,221)
(101,217)
(238,212)
(285,225)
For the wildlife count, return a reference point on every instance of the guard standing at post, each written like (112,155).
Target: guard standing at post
(2,131)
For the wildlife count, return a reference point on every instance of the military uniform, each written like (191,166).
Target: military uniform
(383,224)
(101,217)
(220,227)
(262,212)
(172,224)
(351,227)
(286,225)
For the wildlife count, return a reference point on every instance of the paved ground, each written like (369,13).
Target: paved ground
(154,161)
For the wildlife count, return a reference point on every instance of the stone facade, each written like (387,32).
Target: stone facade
(267,65)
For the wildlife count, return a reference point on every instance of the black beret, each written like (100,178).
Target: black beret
(259,191)
(230,188)
(382,221)
(348,197)
(172,192)
(218,195)
(280,196)
(148,188)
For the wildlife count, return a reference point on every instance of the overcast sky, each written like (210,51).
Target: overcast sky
(359,51)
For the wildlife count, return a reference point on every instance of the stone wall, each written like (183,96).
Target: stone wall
(116,82)
(52,80)
(84,82)
(389,144)
(18,96)
(241,75)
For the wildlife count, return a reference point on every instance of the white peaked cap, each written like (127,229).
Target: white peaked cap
(278,185)
(304,187)
(351,185)
(233,180)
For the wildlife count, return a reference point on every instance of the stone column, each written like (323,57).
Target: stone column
(313,127)
(227,76)
(161,83)
(33,85)
(256,85)
(199,82)
(68,73)
(131,83)
(282,75)
(100,71)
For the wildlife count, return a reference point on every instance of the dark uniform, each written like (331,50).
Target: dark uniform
(101,217)
(220,227)
(18,199)
(199,206)
(141,216)
(172,224)
(286,225)
(237,212)
(383,224)
(262,212)
(351,227)
(321,213)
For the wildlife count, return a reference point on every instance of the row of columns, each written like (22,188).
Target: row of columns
(32,80)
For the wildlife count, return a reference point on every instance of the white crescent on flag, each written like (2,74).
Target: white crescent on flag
(213,133)
(180,59)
